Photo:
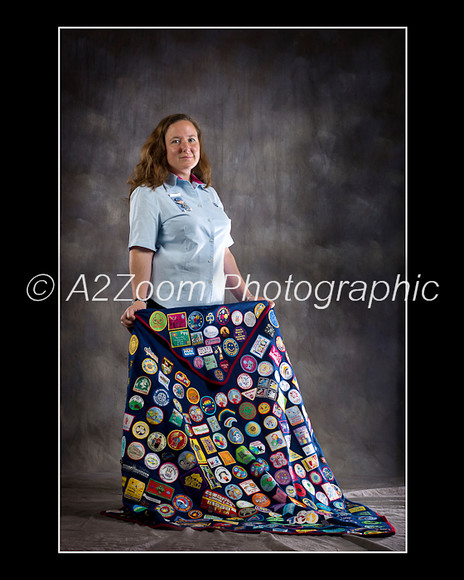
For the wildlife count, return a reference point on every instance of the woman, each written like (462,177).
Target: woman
(179,233)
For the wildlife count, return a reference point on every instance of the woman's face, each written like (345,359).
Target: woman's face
(182,148)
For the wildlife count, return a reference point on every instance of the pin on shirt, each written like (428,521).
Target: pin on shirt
(176,198)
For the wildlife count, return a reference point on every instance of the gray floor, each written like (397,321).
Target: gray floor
(83,529)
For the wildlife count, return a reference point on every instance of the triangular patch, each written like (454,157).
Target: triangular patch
(251,394)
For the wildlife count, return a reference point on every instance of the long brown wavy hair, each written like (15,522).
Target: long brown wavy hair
(152,169)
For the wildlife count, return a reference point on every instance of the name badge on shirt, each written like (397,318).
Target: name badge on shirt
(176,198)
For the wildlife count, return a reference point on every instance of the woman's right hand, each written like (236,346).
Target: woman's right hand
(128,318)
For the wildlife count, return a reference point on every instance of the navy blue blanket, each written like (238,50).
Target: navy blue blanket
(215,431)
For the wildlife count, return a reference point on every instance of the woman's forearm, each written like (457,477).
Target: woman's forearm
(140,265)
(238,286)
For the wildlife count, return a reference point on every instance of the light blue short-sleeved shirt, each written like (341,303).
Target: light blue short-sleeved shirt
(186,226)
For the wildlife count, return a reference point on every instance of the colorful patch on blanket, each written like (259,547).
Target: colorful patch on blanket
(215,431)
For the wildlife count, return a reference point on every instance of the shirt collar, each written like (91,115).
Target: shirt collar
(173,179)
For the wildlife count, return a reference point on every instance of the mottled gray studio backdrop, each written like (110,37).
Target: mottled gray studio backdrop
(305,133)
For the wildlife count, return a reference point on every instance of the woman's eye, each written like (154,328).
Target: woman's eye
(177,141)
